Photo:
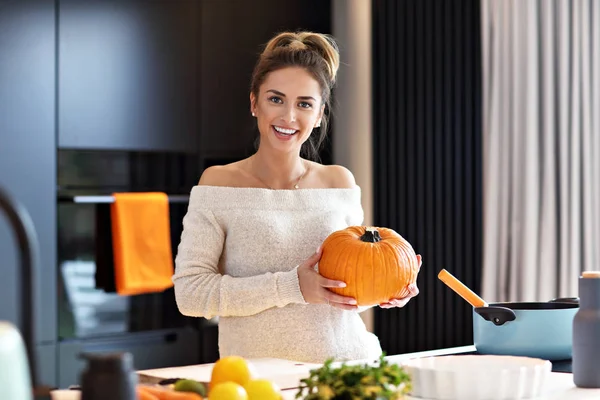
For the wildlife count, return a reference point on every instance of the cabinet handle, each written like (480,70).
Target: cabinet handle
(88,199)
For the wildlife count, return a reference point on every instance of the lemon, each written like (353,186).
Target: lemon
(325,392)
(262,389)
(232,369)
(227,391)
(190,385)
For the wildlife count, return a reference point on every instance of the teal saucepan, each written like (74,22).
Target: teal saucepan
(542,330)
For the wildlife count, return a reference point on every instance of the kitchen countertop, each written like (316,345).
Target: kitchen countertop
(561,383)
(287,374)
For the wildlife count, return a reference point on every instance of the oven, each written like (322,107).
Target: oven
(91,315)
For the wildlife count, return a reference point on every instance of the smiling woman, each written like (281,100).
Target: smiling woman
(247,251)
(288,107)
(315,58)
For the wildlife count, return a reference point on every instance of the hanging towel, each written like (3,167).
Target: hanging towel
(143,260)
(104,254)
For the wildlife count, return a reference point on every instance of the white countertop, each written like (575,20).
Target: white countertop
(287,374)
(561,384)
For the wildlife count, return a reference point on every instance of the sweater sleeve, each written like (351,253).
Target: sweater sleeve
(202,291)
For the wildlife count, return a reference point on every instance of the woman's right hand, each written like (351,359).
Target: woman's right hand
(314,286)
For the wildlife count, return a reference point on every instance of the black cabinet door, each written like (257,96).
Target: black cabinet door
(28,151)
(128,74)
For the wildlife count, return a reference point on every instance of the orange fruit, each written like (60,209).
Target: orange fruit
(228,391)
(231,369)
(262,389)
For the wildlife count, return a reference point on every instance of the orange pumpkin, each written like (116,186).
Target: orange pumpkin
(377,264)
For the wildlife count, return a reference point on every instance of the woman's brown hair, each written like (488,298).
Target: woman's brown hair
(315,52)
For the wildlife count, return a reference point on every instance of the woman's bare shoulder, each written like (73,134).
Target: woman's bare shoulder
(224,175)
(334,176)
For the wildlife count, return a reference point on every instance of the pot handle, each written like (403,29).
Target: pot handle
(571,300)
(497,315)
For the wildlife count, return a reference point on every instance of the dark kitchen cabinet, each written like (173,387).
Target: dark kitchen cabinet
(127,76)
(28,159)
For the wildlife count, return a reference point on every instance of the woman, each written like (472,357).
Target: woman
(247,251)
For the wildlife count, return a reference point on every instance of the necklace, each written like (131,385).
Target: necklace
(296,185)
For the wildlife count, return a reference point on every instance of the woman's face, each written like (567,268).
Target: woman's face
(288,108)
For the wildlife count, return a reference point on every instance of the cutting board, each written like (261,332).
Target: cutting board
(286,374)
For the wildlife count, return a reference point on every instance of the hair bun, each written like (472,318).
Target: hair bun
(322,44)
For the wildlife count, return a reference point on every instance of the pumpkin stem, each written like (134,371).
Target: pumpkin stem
(371,235)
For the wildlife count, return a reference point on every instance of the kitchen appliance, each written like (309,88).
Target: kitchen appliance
(531,329)
(89,306)
(92,316)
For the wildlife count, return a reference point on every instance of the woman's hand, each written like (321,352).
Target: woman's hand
(413,291)
(314,286)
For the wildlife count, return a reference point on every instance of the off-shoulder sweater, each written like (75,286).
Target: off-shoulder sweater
(238,257)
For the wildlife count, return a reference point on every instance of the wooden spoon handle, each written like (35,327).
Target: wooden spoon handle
(461,289)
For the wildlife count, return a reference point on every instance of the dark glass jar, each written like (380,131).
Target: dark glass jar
(109,376)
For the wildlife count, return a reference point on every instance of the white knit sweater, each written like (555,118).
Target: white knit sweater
(237,260)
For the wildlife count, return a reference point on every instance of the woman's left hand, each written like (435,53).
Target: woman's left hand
(413,291)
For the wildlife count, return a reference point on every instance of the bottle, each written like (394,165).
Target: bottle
(109,376)
(586,332)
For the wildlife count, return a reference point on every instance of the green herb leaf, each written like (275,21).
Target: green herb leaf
(382,381)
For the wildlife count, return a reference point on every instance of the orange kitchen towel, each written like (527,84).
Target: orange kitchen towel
(141,242)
